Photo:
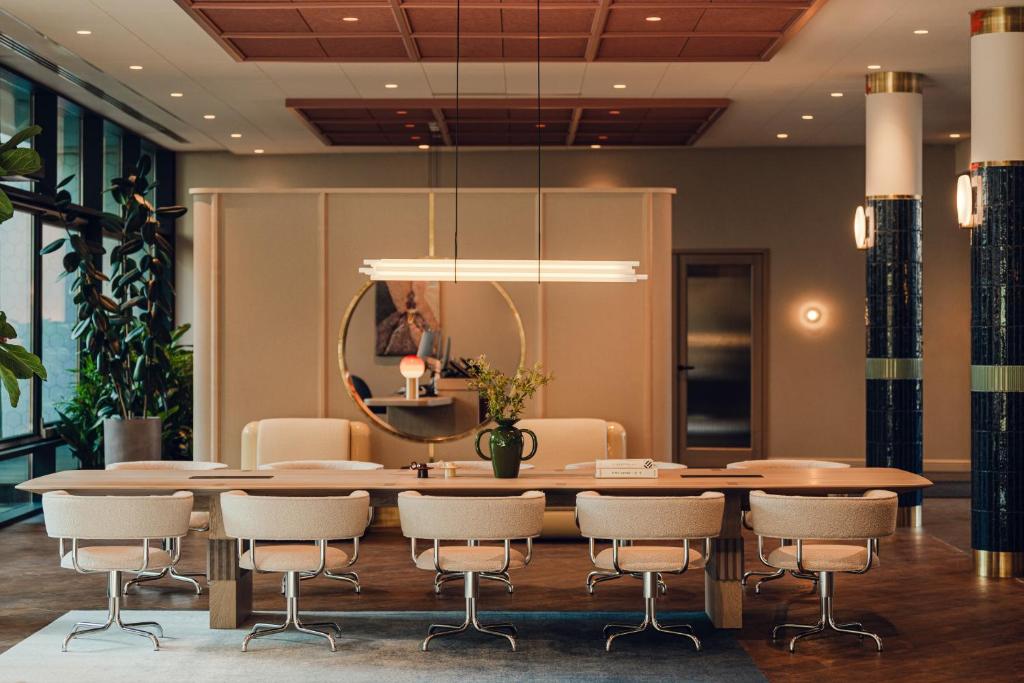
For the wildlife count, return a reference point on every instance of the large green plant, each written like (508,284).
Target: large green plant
(16,362)
(177,418)
(127,332)
(82,414)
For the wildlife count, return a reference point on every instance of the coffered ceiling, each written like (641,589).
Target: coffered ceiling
(501,30)
(830,53)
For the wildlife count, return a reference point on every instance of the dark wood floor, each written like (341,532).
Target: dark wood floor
(937,620)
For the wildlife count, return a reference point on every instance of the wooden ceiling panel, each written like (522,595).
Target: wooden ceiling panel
(501,30)
(507,121)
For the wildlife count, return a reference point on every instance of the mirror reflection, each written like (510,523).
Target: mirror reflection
(405,347)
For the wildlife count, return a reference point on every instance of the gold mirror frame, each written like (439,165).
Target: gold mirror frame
(373,417)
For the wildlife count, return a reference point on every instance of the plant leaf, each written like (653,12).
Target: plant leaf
(6,208)
(52,246)
(20,137)
(20,161)
(11,385)
(27,358)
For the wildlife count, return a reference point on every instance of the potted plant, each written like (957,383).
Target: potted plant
(505,397)
(128,332)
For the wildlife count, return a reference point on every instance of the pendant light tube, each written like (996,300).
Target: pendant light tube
(501,270)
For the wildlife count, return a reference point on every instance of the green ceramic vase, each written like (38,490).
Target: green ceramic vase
(506,448)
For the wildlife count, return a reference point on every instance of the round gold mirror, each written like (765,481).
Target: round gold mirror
(443,324)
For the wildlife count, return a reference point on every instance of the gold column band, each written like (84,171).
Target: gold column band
(997,378)
(998,564)
(894,368)
(997,20)
(884,197)
(910,517)
(892,81)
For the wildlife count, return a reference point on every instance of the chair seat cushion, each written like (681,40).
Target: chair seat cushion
(198,520)
(117,558)
(464,558)
(649,558)
(293,557)
(822,557)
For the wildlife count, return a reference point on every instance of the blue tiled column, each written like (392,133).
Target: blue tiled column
(997,291)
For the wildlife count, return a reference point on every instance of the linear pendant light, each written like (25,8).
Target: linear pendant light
(498,270)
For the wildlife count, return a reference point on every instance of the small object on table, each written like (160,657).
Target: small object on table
(625,468)
(449,468)
(422,469)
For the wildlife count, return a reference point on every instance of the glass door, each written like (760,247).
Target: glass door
(719,372)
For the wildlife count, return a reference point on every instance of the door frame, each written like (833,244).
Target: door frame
(718,457)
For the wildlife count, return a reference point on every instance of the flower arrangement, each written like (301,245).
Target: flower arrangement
(504,395)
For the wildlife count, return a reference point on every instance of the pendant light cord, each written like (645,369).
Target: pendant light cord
(539,200)
(458,126)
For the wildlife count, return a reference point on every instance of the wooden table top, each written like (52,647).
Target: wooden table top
(308,482)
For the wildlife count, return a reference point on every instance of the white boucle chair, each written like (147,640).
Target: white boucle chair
(199,520)
(777,464)
(307,525)
(473,520)
(802,518)
(334,466)
(303,438)
(116,518)
(624,519)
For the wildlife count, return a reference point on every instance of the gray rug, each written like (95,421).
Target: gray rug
(380,646)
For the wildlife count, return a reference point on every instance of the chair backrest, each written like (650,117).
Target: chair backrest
(291,518)
(784,463)
(650,517)
(303,438)
(824,518)
(151,465)
(565,440)
(322,465)
(463,518)
(116,517)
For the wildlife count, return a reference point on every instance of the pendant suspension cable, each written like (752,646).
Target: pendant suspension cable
(458,127)
(539,129)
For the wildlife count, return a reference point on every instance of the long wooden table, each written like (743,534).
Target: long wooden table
(231,587)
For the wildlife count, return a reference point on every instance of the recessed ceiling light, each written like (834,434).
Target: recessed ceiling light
(410,125)
(177,94)
(257,151)
(921,32)
(350,19)
(955,136)
(424,146)
(652,18)
(415,137)
(390,86)
(236,135)
(542,125)
(619,86)
(595,147)
(135,67)
(209,117)
(836,94)
(602,137)
(808,117)
(84,32)
(401,112)
(874,67)
(782,136)
(614,112)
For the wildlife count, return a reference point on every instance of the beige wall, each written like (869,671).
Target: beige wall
(795,202)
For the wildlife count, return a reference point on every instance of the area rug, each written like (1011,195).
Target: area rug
(380,646)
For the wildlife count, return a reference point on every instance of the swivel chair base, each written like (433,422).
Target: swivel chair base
(292,619)
(114,594)
(651,583)
(826,621)
(472,589)
(599,576)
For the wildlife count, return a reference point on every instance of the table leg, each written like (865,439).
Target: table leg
(723,594)
(230,587)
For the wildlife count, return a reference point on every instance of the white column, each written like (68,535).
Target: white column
(893,140)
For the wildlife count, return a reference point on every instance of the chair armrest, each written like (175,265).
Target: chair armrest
(250,434)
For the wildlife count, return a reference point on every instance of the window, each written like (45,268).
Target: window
(15,112)
(16,264)
(69,147)
(113,138)
(13,502)
(60,351)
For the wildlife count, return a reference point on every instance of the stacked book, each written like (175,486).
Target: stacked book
(625,468)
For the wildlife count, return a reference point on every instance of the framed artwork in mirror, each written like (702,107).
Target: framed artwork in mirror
(403,311)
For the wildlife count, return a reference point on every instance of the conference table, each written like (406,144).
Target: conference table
(230,587)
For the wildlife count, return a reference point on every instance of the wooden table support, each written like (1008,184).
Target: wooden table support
(723,593)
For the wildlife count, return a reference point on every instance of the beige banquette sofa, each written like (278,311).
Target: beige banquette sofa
(303,438)
(563,441)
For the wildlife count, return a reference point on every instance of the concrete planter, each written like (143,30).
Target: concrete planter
(131,440)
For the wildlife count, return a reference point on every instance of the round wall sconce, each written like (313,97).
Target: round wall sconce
(863,228)
(812,315)
(965,212)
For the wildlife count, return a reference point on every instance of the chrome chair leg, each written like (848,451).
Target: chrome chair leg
(599,576)
(651,589)
(170,573)
(441,578)
(826,620)
(292,619)
(114,594)
(472,589)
